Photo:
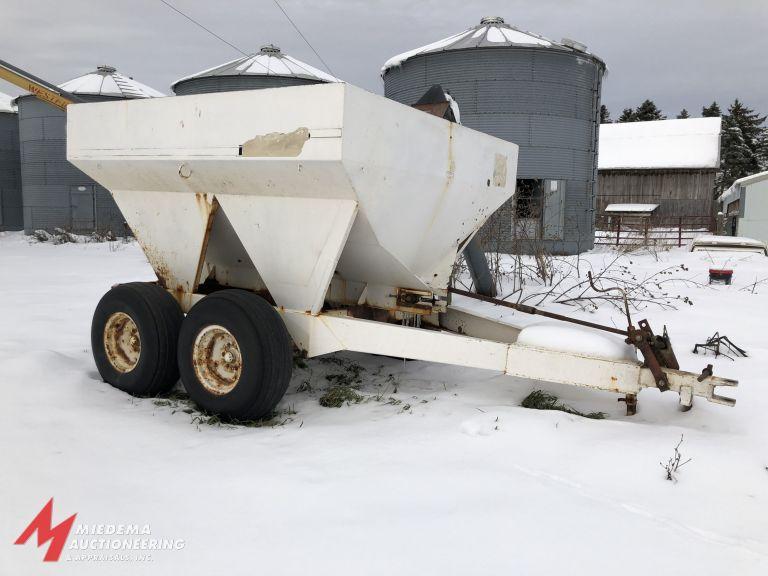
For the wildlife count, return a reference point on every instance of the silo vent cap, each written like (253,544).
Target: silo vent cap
(106,70)
(492,20)
(578,46)
(270,49)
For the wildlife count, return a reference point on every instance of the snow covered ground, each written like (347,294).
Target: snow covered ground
(438,471)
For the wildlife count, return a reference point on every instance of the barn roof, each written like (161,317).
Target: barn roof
(660,144)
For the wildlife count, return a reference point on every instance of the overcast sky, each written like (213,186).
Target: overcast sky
(680,53)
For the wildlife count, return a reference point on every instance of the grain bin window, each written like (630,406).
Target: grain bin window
(528,198)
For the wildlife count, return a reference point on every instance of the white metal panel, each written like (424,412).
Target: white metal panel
(328,333)
(294,243)
(205,124)
(170,229)
(424,184)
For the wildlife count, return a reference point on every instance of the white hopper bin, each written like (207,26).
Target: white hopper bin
(344,210)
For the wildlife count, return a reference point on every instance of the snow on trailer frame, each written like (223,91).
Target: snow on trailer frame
(303,216)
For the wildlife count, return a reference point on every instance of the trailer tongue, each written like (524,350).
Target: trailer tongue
(323,217)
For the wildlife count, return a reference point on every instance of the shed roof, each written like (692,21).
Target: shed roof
(638,208)
(752,178)
(491,32)
(5,103)
(733,192)
(660,144)
(107,81)
(269,61)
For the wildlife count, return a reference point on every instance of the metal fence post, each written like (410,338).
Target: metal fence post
(618,230)
(680,232)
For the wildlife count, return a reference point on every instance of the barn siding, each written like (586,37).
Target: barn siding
(677,192)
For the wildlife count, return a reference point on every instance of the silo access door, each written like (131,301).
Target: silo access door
(82,206)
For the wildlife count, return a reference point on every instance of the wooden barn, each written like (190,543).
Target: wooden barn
(669,163)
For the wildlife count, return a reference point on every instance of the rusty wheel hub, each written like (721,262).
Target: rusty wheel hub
(217,360)
(122,343)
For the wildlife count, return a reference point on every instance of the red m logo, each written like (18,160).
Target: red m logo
(42,525)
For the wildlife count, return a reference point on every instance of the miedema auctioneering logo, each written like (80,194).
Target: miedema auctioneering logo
(42,525)
(95,542)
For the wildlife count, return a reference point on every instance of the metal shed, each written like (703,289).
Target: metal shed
(745,207)
(268,68)
(55,193)
(10,167)
(540,94)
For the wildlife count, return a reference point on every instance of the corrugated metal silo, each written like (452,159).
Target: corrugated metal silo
(269,68)
(55,193)
(10,167)
(543,96)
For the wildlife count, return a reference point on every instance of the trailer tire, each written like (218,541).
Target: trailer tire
(235,355)
(134,334)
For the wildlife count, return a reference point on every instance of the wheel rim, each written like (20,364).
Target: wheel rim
(217,360)
(122,342)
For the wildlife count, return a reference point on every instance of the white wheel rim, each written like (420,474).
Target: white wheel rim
(217,360)
(122,343)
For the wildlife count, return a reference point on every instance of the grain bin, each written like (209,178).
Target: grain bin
(269,68)
(10,167)
(55,193)
(540,94)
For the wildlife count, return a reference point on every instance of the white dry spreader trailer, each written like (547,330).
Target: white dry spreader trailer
(321,217)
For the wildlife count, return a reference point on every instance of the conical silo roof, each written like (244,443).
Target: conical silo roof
(269,61)
(491,32)
(107,81)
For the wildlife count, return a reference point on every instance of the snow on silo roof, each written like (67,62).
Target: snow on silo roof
(269,61)
(107,81)
(5,103)
(689,143)
(492,32)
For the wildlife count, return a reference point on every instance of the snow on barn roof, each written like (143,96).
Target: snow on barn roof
(689,143)
(492,32)
(5,103)
(639,208)
(107,81)
(270,61)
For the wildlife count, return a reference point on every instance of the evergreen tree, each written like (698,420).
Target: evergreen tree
(605,115)
(627,115)
(735,155)
(648,111)
(711,111)
(683,114)
(754,132)
(744,144)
